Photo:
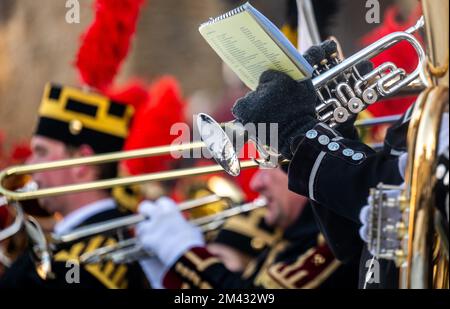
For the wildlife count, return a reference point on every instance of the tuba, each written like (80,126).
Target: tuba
(407,228)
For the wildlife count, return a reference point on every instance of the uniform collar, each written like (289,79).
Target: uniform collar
(77,217)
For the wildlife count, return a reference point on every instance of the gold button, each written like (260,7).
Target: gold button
(75,126)
(257,243)
(318,259)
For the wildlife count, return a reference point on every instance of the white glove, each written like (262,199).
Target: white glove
(443,135)
(388,215)
(155,271)
(402,161)
(364,217)
(166,233)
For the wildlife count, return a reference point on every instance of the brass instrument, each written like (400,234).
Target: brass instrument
(383,81)
(115,224)
(131,250)
(7,195)
(407,228)
(10,195)
(342,90)
(16,225)
(37,240)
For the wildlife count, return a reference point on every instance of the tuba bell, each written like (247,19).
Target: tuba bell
(408,228)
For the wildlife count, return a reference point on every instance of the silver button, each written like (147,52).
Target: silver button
(311,134)
(348,152)
(333,146)
(324,140)
(357,156)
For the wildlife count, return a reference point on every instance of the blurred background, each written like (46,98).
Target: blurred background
(38,45)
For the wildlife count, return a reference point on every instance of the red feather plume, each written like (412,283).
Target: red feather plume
(106,42)
(133,93)
(151,125)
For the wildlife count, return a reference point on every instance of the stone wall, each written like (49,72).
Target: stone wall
(37,45)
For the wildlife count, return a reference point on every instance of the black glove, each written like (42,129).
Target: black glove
(291,104)
(282,100)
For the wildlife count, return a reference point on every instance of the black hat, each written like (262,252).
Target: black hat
(75,117)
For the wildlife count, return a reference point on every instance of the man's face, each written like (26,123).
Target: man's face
(48,150)
(284,206)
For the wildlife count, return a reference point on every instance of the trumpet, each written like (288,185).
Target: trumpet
(127,221)
(343,93)
(130,250)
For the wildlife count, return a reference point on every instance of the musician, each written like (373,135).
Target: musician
(298,258)
(243,238)
(329,166)
(70,126)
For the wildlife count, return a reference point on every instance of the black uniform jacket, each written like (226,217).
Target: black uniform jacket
(298,259)
(337,173)
(22,273)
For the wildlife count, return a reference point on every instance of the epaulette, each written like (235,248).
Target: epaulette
(309,271)
(113,276)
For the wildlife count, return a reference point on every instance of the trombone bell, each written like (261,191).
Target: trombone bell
(219,144)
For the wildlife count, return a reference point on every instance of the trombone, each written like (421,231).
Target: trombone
(41,248)
(34,192)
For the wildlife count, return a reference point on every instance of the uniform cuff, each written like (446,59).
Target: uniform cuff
(315,147)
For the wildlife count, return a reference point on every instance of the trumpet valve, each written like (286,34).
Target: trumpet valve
(355,105)
(369,96)
(341,114)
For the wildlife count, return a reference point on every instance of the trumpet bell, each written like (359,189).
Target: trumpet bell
(219,143)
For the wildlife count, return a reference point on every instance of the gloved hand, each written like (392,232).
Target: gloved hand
(281,100)
(388,239)
(154,270)
(291,104)
(166,233)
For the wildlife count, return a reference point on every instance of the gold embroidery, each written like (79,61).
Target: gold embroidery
(257,243)
(318,259)
(279,275)
(323,275)
(99,271)
(102,121)
(191,275)
(199,263)
(299,263)
(269,261)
